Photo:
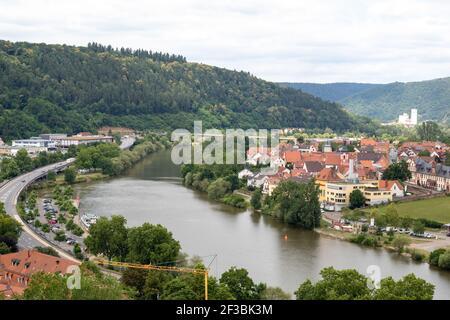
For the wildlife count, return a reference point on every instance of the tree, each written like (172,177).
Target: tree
(94,286)
(255,201)
(397,171)
(23,161)
(10,231)
(435,255)
(418,227)
(271,293)
(51,176)
(241,285)
(295,203)
(152,244)
(218,189)
(154,283)
(9,168)
(46,286)
(400,242)
(444,260)
(408,288)
(192,287)
(351,285)
(335,285)
(429,131)
(98,286)
(392,216)
(108,237)
(70,175)
(357,199)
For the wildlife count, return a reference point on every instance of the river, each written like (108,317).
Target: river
(274,253)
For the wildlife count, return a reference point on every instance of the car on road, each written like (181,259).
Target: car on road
(70,242)
(23,181)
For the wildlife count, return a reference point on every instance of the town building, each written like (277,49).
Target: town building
(52,136)
(375,195)
(407,121)
(34,142)
(394,186)
(17,268)
(430,174)
(82,139)
(107,131)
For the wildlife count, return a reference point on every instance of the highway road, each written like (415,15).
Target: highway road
(9,194)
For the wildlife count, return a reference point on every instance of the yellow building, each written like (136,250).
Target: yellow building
(337,194)
(376,196)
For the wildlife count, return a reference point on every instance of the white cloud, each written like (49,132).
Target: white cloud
(296,40)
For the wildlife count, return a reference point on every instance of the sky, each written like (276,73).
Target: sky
(322,41)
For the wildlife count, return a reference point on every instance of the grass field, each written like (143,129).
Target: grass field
(437,209)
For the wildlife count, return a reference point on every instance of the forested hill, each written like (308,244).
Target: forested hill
(331,91)
(386,101)
(69,89)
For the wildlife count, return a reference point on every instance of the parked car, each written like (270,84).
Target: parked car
(55,229)
(448,234)
(53,222)
(71,242)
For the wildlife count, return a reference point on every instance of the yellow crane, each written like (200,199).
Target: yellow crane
(203,272)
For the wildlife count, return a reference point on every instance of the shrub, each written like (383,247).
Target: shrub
(418,256)
(60,236)
(400,242)
(444,260)
(434,257)
(235,201)
(365,240)
(45,228)
(430,223)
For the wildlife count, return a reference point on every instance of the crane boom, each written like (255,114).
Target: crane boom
(203,272)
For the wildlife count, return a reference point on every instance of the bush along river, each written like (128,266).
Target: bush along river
(273,252)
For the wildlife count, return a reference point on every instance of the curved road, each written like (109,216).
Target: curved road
(9,193)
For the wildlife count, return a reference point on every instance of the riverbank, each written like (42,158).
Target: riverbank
(273,252)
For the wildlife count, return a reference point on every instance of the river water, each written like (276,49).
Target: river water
(274,253)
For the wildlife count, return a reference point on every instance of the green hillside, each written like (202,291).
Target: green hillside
(431,98)
(69,89)
(386,102)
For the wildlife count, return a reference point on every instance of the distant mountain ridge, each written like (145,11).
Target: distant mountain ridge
(334,92)
(386,102)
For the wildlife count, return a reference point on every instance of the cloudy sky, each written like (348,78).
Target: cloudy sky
(286,40)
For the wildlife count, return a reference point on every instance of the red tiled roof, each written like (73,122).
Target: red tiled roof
(292,156)
(328,174)
(368,142)
(24,263)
